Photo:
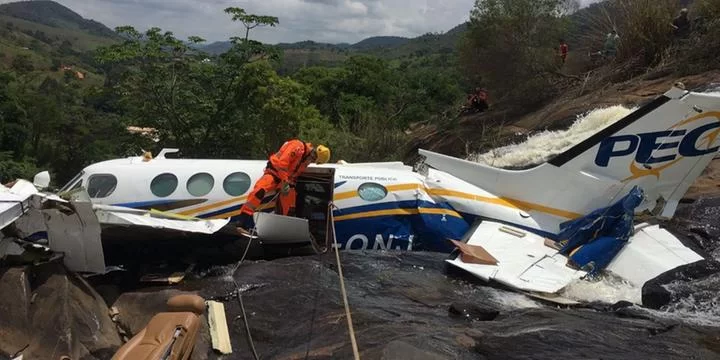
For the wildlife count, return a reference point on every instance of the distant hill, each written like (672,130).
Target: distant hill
(374,43)
(423,45)
(54,15)
(311,53)
(216,48)
(379,42)
(312,45)
(52,38)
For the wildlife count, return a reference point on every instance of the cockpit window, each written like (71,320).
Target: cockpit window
(164,184)
(77,185)
(372,192)
(101,185)
(200,184)
(69,185)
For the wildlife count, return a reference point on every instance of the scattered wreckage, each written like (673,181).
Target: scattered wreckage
(518,217)
(40,228)
(534,230)
(660,149)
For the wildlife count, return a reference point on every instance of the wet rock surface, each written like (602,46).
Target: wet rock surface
(404,306)
(694,288)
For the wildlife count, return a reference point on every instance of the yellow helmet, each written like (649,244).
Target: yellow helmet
(323,154)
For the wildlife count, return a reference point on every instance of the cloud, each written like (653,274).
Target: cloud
(318,20)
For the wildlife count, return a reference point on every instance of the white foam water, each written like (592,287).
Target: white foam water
(511,300)
(697,301)
(607,289)
(542,146)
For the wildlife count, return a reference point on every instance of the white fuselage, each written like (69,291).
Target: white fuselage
(377,206)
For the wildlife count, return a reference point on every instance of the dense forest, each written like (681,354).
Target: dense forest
(244,101)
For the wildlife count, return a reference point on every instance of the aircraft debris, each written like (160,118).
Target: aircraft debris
(165,279)
(129,218)
(172,334)
(45,223)
(219,332)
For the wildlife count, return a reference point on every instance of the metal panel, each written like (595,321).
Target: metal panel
(77,236)
(276,229)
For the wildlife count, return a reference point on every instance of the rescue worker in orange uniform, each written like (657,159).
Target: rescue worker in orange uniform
(281,173)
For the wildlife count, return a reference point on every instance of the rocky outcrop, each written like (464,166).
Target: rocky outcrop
(696,225)
(657,293)
(53,313)
(403,307)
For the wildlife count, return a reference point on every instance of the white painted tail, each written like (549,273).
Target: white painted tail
(661,147)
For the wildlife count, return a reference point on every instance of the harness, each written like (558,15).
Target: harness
(270,169)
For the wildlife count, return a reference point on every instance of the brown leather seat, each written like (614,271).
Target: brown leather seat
(174,331)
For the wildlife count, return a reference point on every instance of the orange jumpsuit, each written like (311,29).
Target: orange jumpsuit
(285,166)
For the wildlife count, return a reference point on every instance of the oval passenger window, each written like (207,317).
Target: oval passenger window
(372,192)
(200,184)
(164,184)
(237,183)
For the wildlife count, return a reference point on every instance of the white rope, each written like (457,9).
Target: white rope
(351,330)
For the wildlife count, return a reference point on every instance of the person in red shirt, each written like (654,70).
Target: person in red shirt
(563,50)
(281,173)
(478,100)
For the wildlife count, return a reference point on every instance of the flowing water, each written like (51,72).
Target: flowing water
(541,146)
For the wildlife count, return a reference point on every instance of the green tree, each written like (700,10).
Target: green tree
(55,64)
(22,64)
(250,21)
(510,46)
(235,106)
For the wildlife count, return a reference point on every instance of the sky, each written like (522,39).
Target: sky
(332,21)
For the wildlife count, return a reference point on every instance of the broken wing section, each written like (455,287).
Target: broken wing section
(524,262)
(651,252)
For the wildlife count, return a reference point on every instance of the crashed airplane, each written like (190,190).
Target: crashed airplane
(535,230)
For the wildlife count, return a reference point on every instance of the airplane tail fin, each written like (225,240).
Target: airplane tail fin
(661,147)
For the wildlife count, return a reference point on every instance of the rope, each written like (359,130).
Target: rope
(248,333)
(351,330)
(239,296)
(247,325)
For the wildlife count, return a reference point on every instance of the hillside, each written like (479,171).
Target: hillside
(54,15)
(379,42)
(310,53)
(371,43)
(47,36)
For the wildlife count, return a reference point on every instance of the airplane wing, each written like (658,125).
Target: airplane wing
(651,252)
(524,262)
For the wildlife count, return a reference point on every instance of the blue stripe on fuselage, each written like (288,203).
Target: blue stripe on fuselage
(142,204)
